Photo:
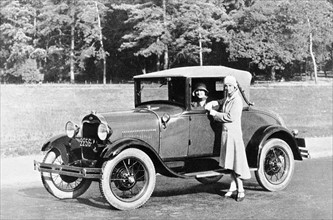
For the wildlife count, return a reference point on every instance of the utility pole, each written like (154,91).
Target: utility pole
(166,55)
(102,45)
(71,59)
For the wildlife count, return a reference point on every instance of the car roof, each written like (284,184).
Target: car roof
(243,77)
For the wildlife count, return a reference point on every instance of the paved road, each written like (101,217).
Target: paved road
(309,195)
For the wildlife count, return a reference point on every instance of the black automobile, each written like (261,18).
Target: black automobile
(164,134)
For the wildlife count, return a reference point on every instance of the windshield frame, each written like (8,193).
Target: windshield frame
(172,85)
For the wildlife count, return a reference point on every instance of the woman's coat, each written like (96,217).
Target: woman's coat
(232,156)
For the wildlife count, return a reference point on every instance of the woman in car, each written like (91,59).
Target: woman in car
(233,155)
(200,94)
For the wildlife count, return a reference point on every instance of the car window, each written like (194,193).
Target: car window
(215,86)
(163,89)
(177,90)
(153,89)
(219,85)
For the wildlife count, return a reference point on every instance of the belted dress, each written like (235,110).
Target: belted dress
(232,155)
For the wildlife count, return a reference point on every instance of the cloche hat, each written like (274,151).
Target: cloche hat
(200,86)
(230,80)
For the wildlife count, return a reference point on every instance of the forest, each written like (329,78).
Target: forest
(110,41)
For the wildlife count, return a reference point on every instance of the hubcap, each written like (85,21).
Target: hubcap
(276,166)
(129,179)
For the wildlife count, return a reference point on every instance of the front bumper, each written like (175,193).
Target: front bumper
(80,172)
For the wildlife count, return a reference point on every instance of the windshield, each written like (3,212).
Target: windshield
(171,90)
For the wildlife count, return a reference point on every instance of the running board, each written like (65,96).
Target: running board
(211,173)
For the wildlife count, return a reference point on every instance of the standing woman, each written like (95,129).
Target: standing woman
(232,156)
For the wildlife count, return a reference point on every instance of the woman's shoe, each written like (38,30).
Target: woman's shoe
(229,193)
(240,196)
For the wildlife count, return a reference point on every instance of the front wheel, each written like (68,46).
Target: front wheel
(62,186)
(128,180)
(276,165)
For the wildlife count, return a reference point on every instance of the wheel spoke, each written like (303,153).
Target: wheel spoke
(125,165)
(121,181)
(117,179)
(134,164)
(142,177)
(275,165)
(274,153)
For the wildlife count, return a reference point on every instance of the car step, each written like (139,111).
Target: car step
(206,173)
(211,173)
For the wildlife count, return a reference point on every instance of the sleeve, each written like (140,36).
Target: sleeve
(234,111)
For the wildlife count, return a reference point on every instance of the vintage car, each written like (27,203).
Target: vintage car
(164,134)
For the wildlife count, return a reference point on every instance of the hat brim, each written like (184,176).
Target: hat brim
(203,89)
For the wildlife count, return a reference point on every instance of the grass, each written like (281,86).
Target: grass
(30,114)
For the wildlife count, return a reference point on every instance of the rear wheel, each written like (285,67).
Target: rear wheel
(276,165)
(128,179)
(62,186)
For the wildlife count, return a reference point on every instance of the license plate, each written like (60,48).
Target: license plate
(86,142)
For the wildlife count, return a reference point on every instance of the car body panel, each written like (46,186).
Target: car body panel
(202,135)
(125,124)
(175,138)
(253,119)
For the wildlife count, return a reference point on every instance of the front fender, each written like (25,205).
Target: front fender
(62,143)
(260,137)
(113,149)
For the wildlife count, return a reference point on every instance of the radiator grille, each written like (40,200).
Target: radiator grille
(90,130)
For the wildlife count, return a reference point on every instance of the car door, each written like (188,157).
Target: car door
(175,137)
(202,136)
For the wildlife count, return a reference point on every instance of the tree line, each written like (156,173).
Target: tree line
(113,40)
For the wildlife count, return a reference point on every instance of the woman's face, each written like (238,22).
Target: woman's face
(200,94)
(230,88)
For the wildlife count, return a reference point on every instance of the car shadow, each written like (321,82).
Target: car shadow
(89,199)
(219,188)
(93,198)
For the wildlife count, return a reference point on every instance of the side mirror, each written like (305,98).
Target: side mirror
(165,118)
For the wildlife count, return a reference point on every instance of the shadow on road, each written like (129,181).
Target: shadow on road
(165,188)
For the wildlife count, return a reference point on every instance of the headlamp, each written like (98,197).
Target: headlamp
(71,129)
(103,131)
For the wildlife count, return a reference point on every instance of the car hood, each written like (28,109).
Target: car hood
(143,122)
(125,123)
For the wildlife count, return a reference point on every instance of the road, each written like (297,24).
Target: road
(309,196)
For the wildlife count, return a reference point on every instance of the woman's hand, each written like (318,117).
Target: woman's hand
(212,112)
(210,105)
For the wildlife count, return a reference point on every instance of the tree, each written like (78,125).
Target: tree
(261,38)
(71,33)
(183,29)
(18,49)
(274,34)
(196,24)
(315,21)
(149,35)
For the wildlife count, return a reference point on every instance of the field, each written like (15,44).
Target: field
(30,114)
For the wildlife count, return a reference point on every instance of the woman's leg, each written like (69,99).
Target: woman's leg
(240,193)
(233,185)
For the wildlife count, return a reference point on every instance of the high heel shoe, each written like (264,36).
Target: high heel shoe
(240,196)
(229,193)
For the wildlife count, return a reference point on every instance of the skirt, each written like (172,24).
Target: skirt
(233,155)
